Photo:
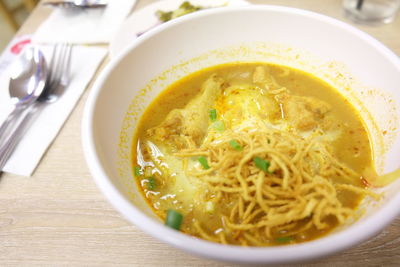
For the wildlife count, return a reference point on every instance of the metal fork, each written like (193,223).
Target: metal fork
(77,4)
(59,77)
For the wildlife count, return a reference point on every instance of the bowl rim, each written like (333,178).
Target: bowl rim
(332,243)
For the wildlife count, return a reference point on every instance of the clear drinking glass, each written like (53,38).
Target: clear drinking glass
(371,11)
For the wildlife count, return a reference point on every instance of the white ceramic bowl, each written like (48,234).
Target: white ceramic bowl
(360,67)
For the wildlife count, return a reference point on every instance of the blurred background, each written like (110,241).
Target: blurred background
(12,14)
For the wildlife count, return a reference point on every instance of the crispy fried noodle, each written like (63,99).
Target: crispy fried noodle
(295,194)
(257,161)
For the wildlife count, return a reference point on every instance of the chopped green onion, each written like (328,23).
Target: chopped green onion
(219,126)
(262,164)
(235,145)
(203,162)
(284,239)
(152,183)
(174,219)
(138,171)
(213,114)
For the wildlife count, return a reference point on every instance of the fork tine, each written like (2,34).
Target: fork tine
(55,65)
(58,68)
(66,74)
(52,63)
(61,69)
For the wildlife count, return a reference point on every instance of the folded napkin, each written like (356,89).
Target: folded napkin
(89,26)
(84,63)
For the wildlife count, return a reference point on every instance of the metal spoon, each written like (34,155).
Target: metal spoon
(57,80)
(27,81)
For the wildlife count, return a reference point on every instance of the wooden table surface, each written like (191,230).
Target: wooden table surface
(58,217)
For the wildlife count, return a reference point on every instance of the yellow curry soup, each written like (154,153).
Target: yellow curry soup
(252,154)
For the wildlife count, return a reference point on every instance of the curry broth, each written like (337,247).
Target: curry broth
(352,147)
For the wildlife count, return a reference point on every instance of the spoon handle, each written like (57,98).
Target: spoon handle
(10,122)
(9,145)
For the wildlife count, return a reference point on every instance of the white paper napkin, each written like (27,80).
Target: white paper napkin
(84,63)
(89,26)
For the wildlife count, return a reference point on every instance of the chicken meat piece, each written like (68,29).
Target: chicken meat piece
(304,113)
(186,128)
(261,76)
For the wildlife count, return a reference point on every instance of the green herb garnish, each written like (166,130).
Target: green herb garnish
(203,162)
(213,114)
(174,219)
(235,145)
(284,239)
(138,171)
(262,164)
(219,126)
(151,183)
